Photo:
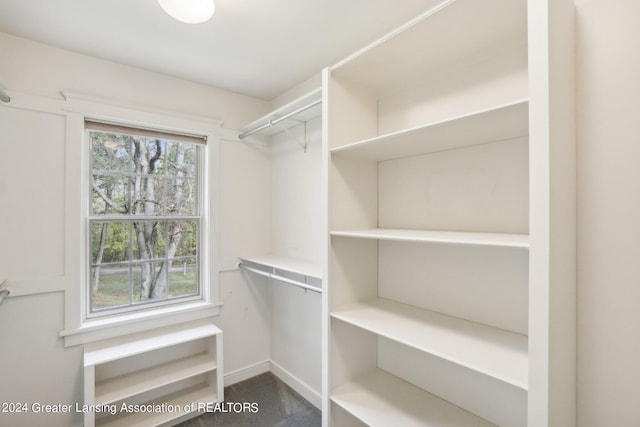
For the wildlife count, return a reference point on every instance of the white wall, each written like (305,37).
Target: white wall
(296,232)
(36,368)
(608,108)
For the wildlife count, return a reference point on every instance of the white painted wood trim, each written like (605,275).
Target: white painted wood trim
(297,384)
(247,372)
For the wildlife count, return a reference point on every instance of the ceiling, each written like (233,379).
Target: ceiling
(258,48)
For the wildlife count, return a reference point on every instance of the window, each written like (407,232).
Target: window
(145,218)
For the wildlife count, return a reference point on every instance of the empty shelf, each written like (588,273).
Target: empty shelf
(119,388)
(380,399)
(130,345)
(497,353)
(498,124)
(303,116)
(178,401)
(430,42)
(292,265)
(428,236)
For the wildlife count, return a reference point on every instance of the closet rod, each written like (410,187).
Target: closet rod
(279,119)
(280,278)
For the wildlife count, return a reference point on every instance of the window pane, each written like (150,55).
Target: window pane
(183,277)
(110,194)
(184,236)
(181,159)
(149,240)
(149,281)
(110,242)
(181,196)
(109,286)
(111,152)
(148,195)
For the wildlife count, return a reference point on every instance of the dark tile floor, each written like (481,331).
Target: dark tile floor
(278,406)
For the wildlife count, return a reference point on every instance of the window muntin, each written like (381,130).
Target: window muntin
(144,220)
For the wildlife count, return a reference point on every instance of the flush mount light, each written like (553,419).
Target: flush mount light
(189,11)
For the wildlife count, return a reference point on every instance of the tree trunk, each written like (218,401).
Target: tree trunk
(174,229)
(96,271)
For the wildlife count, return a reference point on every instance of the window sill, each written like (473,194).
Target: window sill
(99,329)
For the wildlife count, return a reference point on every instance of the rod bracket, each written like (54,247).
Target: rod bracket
(302,144)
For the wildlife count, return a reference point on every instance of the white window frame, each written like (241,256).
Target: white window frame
(80,326)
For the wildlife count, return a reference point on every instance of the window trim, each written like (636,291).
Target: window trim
(78,328)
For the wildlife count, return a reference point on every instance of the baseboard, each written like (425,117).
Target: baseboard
(285,376)
(295,383)
(246,373)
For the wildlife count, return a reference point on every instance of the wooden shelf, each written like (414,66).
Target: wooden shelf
(304,268)
(119,388)
(497,124)
(433,42)
(303,116)
(380,399)
(142,342)
(497,353)
(450,237)
(190,396)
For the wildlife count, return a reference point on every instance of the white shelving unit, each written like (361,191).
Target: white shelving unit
(297,112)
(441,159)
(291,141)
(177,366)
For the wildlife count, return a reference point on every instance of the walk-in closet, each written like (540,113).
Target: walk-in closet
(319,213)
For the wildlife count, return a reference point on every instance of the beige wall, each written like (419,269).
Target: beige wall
(608,107)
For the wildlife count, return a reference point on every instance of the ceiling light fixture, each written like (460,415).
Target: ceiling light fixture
(189,11)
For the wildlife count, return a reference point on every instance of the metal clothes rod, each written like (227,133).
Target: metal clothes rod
(279,119)
(280,278)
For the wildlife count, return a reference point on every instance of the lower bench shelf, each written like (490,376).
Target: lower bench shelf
(150,378)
